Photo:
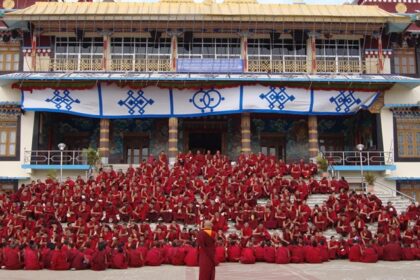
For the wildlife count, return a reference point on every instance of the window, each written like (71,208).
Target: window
(9,140)
(276,49)
(210,48)
(9,58)
(140,47)
(408,137)
(338,56)
(8,186)
(404,61)
(72,54)
(276,55)
(140,54)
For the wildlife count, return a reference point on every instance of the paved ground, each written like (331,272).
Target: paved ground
(331,270)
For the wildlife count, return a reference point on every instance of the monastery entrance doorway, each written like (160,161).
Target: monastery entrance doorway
(205,141)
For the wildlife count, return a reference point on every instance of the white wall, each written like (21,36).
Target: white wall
(13,168)
(398,94)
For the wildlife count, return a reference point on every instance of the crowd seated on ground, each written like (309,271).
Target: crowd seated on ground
(150,215)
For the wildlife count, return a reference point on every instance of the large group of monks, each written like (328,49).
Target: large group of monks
(150,216)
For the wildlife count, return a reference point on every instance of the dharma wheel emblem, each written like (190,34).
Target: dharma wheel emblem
(206,99)
(277,98)
(63,99)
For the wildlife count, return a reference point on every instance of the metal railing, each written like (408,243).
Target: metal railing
(395,192)
(53,157)
(354,158)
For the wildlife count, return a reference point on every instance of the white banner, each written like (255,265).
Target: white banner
(79,102)
(111,101)
(205,101)
(123,102)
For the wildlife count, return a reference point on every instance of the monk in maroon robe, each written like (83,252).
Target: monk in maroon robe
(207,251)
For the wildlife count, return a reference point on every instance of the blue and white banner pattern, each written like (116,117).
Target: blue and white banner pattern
(111,101)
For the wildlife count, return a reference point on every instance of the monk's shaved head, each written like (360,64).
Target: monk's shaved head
(208,224)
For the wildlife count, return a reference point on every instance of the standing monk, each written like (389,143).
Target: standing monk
(207,251)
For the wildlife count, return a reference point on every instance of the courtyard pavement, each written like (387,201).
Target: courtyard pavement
(342,269)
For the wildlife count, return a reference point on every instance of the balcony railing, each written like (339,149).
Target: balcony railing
(162,63)
(53,157)
(149,64)
(75,64)
(353,158)
(340,66)
(268,65)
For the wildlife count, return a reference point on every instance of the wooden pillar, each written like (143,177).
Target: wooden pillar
(33,50)
(173,140)
(104,140)
(106,58)
(104,123)
(380,55)
(244,50)
(246,133)
(174,51)
(313,136)
(311,58)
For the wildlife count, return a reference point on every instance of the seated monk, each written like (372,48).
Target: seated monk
(99,259)
(392,252)
(59,258)
(11,257)
(234,252)
(355,252)
(32,257)
(191,258)
(297,253)
(282,255)
(79,260)
(119,258)
(135,257)
(343,226)
(369,254)
(247,256)
(408,253)
(154,256)
(178,255)
(269,253)
(312,253)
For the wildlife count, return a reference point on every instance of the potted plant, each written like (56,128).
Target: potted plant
(370,179)
(322,165)
(92,158)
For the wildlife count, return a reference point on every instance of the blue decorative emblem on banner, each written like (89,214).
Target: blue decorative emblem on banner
(277,97)
(345,100)
(136,101)
(206,99)
(62,100)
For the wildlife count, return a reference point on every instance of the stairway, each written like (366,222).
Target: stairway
(400,203)
(314,199)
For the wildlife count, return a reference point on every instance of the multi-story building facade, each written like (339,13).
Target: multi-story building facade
(135,79)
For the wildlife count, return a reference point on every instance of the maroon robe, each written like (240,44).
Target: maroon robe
(206,258)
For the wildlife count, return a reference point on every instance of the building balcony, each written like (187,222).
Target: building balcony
(55,159)
(162,63)
(355,160)
(349,66)
(149,64)
(75,64)
(267,65)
